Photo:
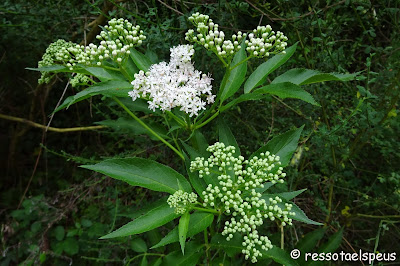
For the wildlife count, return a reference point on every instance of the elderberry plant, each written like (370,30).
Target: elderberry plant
(222,195)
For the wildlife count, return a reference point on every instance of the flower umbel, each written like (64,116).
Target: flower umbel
(176,84)
(236,194)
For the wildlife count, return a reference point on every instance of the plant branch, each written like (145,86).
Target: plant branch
(54,129)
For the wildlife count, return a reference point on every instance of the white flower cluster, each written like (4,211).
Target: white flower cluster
(209,36)
(236,195)
(181,201)
(176,84)
(263,42)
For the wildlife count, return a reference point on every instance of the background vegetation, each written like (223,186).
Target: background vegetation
(53,212)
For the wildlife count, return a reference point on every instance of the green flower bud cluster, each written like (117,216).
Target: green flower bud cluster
(79,79)
(236,194)
(181,201)
(264,41)
(116,40)
(209,36)
(53,56)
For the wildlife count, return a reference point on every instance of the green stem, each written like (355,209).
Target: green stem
(241,62)
(177,119)
(208,120)
(125,73)
(206,244)
(144,254)
(206,210)
(148,128)
(110,68)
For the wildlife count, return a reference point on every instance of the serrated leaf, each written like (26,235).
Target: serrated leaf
(261,73)
(156,217)
(301,76)
(287,90)
(235,77)
(140,60)
(142,172)
(183,229)
(107,88)
(283,145)
(198,222)
(279,256)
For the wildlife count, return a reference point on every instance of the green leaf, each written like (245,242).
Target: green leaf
(189,259)
(59,232)
(283,145)
(198,222)
(53,68)
(287,90)
(235,77)
(231,247)
(200,142)
(139,245)
(331,246)
(261,73)
(279,256)
(198,183)
(104,74)
(267,185)
(156,217)
(310,240)
(301,76)
(300,215)
(183,229)
(142,172)
(71,246)
(226,136)
(285,195)
(107,88)
(130,68)
(243,98)
(140,60)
